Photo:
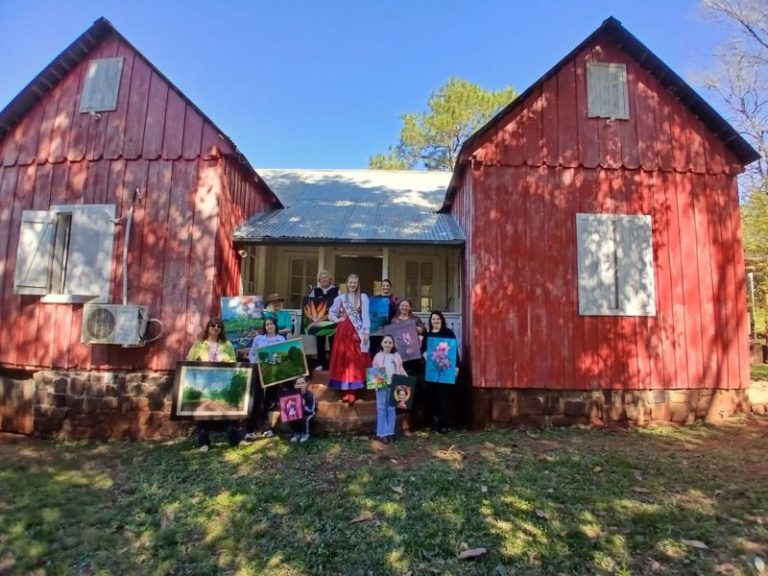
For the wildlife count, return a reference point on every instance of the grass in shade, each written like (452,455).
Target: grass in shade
(556,501)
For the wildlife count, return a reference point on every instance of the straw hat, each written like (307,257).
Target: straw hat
(273,298)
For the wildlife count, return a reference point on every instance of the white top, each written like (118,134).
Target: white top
(259,342)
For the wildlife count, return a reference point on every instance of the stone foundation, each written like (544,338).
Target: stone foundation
(137,406)
(89,405)
(539,407)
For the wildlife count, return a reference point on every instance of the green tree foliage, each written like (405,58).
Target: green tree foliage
(191,395)
(295,355)
(234,393)
(432,139)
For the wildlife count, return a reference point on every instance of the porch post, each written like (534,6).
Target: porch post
(262,270)
(385,263)
(320,258)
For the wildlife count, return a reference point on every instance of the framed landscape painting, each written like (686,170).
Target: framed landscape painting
(211,390)
(441,360)
(282,362)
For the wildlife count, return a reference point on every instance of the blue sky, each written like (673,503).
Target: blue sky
(322,84)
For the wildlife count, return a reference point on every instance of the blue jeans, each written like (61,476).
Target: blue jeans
(385,414)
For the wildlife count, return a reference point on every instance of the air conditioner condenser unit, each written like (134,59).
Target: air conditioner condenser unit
(123,324)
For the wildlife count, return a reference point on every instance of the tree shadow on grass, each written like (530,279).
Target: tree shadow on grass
(551,502)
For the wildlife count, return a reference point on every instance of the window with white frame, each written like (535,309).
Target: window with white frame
(303,277)
(419,284)
(101,85)
(615,261)
(65,253)
(607,94)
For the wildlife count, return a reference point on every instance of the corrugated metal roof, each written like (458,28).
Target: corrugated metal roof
(372,206)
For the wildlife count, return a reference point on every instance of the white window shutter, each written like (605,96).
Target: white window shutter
(636,281)
(35,252)
(607,92)
(89,259)
(102,85)
(596,252)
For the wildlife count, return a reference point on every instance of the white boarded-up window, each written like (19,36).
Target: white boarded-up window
(102,85)
(607,95)
(65,254)
(615,260)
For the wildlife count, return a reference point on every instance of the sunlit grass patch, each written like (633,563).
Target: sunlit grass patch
(553,501)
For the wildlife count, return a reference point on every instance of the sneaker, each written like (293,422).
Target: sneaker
(267,434)
(205,448)
(295,437)
(250,437)
(304,438)
(319,368)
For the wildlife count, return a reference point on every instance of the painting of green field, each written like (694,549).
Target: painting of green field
(282,362)
(212,390)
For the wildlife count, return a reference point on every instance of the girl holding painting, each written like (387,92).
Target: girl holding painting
(349,357)
(390,360)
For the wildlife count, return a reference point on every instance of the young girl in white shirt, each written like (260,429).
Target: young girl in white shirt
(390,360)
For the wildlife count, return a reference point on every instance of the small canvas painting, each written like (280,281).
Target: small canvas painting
(403,392)
(378,310)
(441,360)
(243,318)
(290,408)
(406,340)
(282,362)
(376,377)
(211,390)
(314,318)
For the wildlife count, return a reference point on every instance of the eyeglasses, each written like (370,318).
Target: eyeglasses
(214,325)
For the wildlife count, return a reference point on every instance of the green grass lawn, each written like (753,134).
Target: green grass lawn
(561,501)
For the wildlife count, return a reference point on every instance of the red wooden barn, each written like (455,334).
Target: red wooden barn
(97,125)
(604,274)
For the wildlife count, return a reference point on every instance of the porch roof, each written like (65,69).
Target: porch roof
(353,206)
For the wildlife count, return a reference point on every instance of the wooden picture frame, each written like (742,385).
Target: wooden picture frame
(281,362)
(211,390)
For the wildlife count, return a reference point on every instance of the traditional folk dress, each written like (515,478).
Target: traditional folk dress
(349,357)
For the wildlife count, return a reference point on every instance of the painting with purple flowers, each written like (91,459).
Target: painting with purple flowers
(441,360)
(406,339)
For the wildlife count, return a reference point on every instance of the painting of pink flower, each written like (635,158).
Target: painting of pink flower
(441,360)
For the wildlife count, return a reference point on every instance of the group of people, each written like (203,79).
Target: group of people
(352,351)
(213,346)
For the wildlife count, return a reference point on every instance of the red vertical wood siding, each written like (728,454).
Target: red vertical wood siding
(180,258)
(547,161)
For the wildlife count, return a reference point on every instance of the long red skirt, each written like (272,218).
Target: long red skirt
(348,363)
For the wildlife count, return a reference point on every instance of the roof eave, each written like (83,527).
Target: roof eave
(612,29)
